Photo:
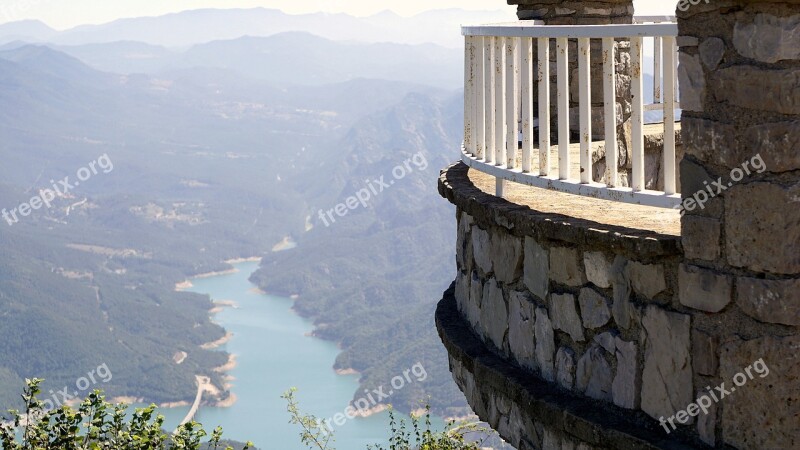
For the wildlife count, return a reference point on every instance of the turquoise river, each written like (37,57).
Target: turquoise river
(274,351)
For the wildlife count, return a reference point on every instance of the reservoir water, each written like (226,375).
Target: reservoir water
(275,352)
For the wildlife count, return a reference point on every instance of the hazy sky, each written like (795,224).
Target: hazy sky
(63,14)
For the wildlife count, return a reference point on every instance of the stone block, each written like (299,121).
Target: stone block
(536,268)
(700,237)
(777,88)
(598,269)
(647,279)
(707,423)
(704,289)
(606,340)
(521,320)
(594,308)
(764,412)
(770,301)
(711,52)
(710,141)
(667,375)
(621,309)
(776,143)
(506,255)
(705,356)
(464,243)
(626,385)
(687,41)
(462,292)
(545,344)
(692,81)
(494,314)
(565,316)
(481,241)
(565,368)
(565,266)
(499,254)
(692,177)
(768,38)
(762,227)
(594,374)
(472,311)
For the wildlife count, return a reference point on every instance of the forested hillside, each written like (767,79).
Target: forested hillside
(208,165)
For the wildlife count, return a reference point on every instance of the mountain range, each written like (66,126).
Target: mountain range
(188,28)
(184,143)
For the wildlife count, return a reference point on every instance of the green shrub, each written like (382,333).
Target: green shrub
(97,425)
(415,436)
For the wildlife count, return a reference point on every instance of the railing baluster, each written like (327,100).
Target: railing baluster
(585,108)
(544,105)
(499,108)
(637,116)
(467,95)
(480,107)
(499,102)
(562,64)
(473,95)
(488,73)
(610,104)
(669,116)
(657,70)
(526,85)
(512,115)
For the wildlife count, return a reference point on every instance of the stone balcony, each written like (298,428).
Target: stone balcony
(580,323)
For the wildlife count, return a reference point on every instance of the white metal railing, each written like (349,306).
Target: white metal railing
(500,112)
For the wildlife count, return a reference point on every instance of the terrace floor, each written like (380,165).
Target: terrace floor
(657,220)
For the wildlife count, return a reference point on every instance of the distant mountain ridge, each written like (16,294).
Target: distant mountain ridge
(193,27)
(26,30)
(291,57)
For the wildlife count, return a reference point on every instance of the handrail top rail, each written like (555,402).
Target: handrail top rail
(656,19)
(528,30)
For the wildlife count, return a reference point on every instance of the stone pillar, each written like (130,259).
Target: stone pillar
(602,12)
(561,12)
(740,93)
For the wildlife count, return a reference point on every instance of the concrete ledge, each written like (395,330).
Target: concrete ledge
(455,185)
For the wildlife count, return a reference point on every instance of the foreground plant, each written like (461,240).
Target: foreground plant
(315,436)
(97,425)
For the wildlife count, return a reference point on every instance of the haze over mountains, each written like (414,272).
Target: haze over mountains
(221,149)
(188,28)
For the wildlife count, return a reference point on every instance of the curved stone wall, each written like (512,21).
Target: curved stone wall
(588,314)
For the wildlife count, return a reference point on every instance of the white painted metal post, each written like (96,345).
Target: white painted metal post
(512,115)
(610,104)
(488,74)
(543,78)
(526,88)
(637,116)
(657,70)
(473,88)
(467,109)
(669,116)
(500,187)
(480,98)
(585,109)
(562,63)
(499,102)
